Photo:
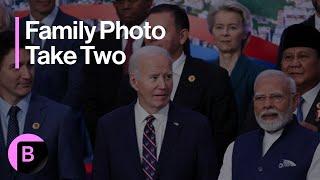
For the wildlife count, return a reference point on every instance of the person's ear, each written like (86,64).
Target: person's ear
(133,81)
(183,36)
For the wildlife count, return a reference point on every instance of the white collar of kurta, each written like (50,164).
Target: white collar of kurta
(269,139)
(311,95)
(274,135)
(48,20)
(142,113)
(177,65)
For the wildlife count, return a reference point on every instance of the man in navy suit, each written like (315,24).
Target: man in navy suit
(197,85)
(153,138)
(24,112)
(103,98)
(62,83)
(59,82)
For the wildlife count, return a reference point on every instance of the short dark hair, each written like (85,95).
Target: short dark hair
(180,16)
(7,39)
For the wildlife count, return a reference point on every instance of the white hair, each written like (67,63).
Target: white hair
(272,73)
(145,53)
(233,6)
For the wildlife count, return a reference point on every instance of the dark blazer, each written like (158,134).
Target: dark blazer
(103,81)
(59,128)
(310,21)
(187,151)
(210,94)
(312,114)
(62,83)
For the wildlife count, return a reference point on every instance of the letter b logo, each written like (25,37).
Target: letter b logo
(27,152)
(30,155)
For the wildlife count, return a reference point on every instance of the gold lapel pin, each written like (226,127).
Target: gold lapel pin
(35,126)
(191,78)
(318,112)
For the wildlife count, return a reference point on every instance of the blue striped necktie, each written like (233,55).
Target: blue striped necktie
(13,126)
(149,150)
(299,109)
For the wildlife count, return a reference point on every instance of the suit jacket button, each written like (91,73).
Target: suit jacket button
(260,169)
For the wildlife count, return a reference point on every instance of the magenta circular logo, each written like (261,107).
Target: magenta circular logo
(28,153)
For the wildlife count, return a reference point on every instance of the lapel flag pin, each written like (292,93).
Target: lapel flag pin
(191,78)
(318,112)
(176,124)
(35,126)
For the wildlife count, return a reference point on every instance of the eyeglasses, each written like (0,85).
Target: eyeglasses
(277,98)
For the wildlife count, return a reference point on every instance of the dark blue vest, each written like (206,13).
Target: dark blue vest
(289,158)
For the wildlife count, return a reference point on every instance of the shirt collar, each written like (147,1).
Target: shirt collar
(160,115)
(48,20)
(177,65)
(274,135)
(23,104)
(310,95)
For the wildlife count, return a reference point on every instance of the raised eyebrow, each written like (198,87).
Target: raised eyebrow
(257,94)
(303,53)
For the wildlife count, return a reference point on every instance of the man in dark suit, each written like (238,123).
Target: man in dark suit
(314,20)
(153,138)
(300,59)
(202,87)
(24,112)
(104,98)
(59,82)
(62,83)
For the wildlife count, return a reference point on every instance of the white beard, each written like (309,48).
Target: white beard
(276,124)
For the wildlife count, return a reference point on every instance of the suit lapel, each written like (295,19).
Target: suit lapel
(238,72)
(171,136)
(312,114)
(2,145)
(185,83)
(130,141)
(36,115)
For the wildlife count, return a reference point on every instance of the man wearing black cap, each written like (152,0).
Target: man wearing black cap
(300,59)
(314,20)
